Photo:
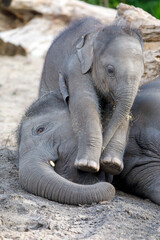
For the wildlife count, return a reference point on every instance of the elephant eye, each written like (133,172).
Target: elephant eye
(40,130)
(110,70)
(36,131)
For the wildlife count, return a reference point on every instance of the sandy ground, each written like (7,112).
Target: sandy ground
(19,79)
(25,216)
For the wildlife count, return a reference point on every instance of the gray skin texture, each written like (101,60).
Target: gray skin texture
(141,174)
(46,134)
(46,139)
(93,63)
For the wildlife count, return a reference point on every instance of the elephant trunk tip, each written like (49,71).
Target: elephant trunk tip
(90,194)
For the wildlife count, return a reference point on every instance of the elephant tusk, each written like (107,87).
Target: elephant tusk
(129,117)
(51,163)
(103,148)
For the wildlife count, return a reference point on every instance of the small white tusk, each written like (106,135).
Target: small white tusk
(103,148)
(51,163)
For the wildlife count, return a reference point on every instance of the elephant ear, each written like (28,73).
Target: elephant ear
(85,52)
(63,88)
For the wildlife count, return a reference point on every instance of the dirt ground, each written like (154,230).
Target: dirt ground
(19,79)
(25,216)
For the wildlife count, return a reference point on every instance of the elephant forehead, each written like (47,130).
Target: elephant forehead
(125,45)
(56,117)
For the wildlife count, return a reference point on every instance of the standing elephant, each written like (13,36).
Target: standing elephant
(47,151)
(141,174)
(91,63)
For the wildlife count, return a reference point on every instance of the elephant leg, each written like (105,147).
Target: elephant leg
(85,117)
(112,156)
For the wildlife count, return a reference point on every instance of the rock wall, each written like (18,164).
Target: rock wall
(150,29)
(28,27)
(39,21)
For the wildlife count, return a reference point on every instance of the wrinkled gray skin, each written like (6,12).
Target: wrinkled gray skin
(93,63)
(46,134)
(141,174)
(46,137)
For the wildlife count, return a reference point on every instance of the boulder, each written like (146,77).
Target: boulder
(8,21)
(41,21)
(149,25)
(9,49)
(151,65)
(34,38)
(150,29)
(67,9)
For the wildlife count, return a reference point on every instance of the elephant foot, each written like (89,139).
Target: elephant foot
(111,165)
(86,165)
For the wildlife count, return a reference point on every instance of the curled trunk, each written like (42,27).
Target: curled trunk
(39,178)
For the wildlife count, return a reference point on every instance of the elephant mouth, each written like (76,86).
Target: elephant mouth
(77,176)
(112,98)
(92,178)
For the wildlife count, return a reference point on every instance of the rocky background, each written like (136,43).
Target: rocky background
(27,28)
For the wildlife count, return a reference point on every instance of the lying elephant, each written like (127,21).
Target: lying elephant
(48,147)
(92,61)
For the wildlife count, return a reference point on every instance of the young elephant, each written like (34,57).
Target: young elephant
(91,61)
(47,151)
(141,174)
(48,147)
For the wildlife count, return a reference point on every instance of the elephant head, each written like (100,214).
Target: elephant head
(47,150)
(114,56)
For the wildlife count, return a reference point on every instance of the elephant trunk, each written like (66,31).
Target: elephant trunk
(39,178)
(124,101)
